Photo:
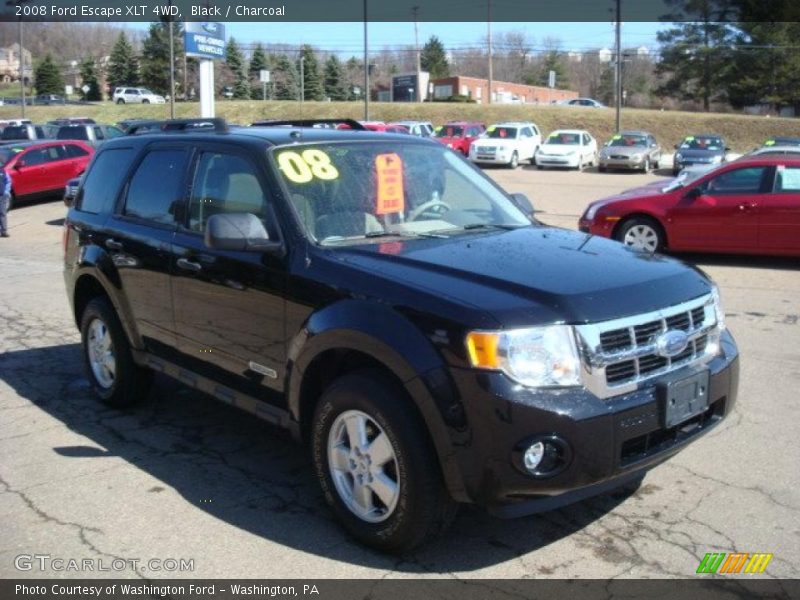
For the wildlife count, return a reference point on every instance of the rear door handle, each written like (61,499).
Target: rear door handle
(188,265)
(113,244)
(747,206)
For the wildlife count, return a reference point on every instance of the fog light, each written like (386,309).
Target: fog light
(533,456)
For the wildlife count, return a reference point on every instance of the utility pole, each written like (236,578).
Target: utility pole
(415,12)
(489,21)
(366,65)
(618,65)
(21,69)
(171,70)
(302,79)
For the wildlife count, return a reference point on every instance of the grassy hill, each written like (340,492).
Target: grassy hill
(742,132)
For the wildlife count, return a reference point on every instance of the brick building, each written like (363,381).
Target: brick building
(503,92)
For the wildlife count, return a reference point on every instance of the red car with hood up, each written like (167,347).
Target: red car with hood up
(458,135)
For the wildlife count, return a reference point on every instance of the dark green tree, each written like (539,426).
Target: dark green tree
(155,57)
(123,68)
(234,61)
(553,61)
(89,77)
(47,77)
(312,82)
(284,78)
(433,58)
(334,86)
(696,52)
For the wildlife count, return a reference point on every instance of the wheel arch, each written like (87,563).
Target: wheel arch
(346,338)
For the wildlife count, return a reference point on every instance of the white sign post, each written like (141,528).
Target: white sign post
(205,41)
(263,77)
(551,83)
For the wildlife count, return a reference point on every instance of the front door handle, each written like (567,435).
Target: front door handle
(188,265)
(747,206)
(113,244)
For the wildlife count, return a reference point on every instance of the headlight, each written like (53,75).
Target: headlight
(678,157)
(536,356)
(592,211)
(571,153)
(718,311)
(716,159)
(637,157)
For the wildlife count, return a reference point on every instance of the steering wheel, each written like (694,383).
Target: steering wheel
(431,208)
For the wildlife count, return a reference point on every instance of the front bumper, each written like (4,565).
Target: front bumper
(611,442)
(490,160)
(619,163)
(556,161)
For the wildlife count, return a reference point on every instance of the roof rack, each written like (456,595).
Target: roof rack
(178,125)
(351,123)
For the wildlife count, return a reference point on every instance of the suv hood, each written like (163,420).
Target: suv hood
(495,143)
(533,275)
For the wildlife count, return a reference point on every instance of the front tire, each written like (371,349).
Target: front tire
(145,101)
(376,465)
(514,162)
(641,233)
(120,100)
(116,379)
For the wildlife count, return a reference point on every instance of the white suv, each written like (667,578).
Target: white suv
(506,144)
(132,95)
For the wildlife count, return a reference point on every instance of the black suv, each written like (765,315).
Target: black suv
(397,311)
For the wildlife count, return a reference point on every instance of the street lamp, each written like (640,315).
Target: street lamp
(74,64)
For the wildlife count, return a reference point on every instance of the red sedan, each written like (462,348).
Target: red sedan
(39,169)
(748,206)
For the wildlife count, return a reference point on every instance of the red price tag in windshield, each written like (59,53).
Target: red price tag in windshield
(389,168)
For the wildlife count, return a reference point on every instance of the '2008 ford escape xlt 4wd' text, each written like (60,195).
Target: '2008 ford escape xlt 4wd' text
(398,312)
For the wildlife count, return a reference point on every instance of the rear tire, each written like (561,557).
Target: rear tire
(116,379)
(391,504)
(602,169)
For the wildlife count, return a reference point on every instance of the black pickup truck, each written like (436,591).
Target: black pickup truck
(398,312)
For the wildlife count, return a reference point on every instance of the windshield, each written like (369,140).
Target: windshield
(683,179)
(450,131)
(628,140)
(558,137)
(350,192)
(702,142)
(501,132)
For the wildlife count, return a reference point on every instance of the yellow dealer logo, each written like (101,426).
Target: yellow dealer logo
(732,564)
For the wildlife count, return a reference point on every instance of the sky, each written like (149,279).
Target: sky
(347,38)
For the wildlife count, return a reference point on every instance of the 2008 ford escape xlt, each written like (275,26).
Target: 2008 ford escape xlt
(398,312)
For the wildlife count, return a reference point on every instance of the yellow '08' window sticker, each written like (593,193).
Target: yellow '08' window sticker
(303,167)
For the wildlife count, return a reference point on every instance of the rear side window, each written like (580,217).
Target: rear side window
(787,179)
(104,179)
(15,133)
(72,133)
(74,151)
(156,186)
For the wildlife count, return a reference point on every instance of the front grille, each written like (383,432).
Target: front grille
(619,157)
(621,353)
(486,150)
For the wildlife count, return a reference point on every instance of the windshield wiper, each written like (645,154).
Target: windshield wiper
(473,226)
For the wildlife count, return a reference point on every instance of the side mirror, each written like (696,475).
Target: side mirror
(243,232)
(727,149)
(693,194)
(19,164)
(522,202)
(676,146)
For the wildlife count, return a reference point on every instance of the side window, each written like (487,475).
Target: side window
(103,180)
(36,157)
(156,186)
(224,183)
(787,180)
(74,151)
(536,130)
(738,181)
(525,133)
(39,132)
(586,139)
(98,133)
(112,132)
(56,153)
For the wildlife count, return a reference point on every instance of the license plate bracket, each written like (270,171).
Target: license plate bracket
(684,397)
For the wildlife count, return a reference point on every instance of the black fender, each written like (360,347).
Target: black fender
(95,263)
(400,346)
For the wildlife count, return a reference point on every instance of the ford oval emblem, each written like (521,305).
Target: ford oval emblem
(671,342)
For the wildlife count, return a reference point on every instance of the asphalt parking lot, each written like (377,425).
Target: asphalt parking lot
(185,477)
